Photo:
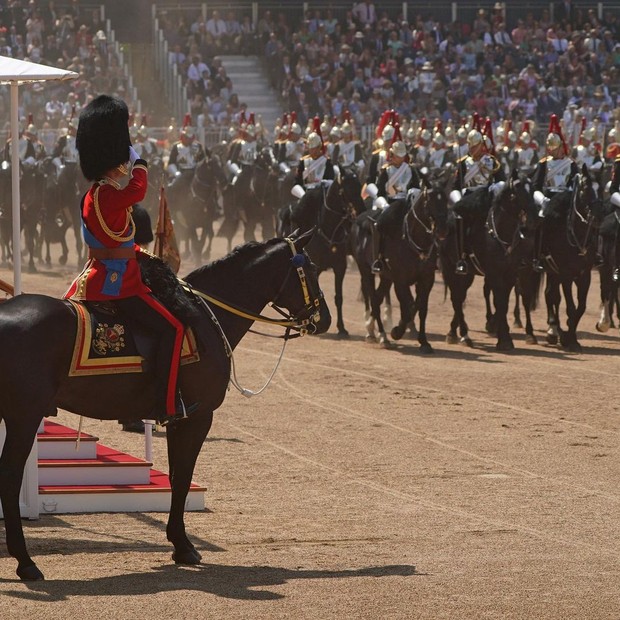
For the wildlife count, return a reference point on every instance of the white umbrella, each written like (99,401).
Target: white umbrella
(16,72)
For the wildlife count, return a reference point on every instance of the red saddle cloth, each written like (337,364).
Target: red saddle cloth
(105,346)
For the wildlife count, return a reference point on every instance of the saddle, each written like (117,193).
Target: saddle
(106,344)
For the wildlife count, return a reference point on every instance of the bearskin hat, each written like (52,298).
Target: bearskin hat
(103,136)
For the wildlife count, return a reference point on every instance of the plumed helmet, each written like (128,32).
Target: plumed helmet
(438,139)
(295,129)
(461,133)
(399,148)
(553,142)
(474,138)
(187,129)
(325,126)
(410,133)
(103,136)
(449,133)
(425,136)
(143,131)
(510,137)
(31,130)
(315,139)
(589,134)
(347,129)
(387,133)
(334,133)
(525,138)
(133,131)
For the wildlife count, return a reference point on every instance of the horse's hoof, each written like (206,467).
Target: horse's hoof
(552,338)
(397,332)
(505,345)
(451,338)
(603,326)
(530,339)
(517,324)
(573,347)
(48,262)
(63,259)
(426,348)
(370,338)
(467,341)
(187,557)
(490,328)
(30,573)
(384,343)
(343,334)
(32,269)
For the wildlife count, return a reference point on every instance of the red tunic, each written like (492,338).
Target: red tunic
(106,213)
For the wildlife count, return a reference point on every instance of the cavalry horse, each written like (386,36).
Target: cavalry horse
(499,242)
(38,335)
(330,210)
(569,247)
(411,234)
(192,196)
(609,233)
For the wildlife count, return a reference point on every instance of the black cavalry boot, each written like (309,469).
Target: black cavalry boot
(461,268)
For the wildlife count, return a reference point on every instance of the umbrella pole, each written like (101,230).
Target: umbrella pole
(17,251)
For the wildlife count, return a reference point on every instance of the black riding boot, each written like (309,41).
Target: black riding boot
(536,263)
(377,239)
(461,262)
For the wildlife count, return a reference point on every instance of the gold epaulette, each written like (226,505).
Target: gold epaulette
(306,157)
(617,160)
(458,161)
(385,165)
(545,159)
(377,151)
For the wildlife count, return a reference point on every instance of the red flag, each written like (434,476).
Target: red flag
(165,242)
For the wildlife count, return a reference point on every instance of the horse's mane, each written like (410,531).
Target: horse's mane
(391,220)
(242,254)
(559,205)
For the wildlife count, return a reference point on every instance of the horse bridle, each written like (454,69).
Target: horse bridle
(345,216)
(517,236)
(424,254)
(304,321)
(574,211)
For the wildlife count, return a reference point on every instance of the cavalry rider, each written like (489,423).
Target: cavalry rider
(112,272)
(527,153)
(314,167)
(348,153)
(295,144)
(242,154)
(421,151)
(507,153)
(332,140)
(460,147)
(65,152)
(397,181)
(554,174)
(439,155)
(280,138)
(481,172)
(26,148)
(145,145)
(586,152)
(380,156)
(187,152)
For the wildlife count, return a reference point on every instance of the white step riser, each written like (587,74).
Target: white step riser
(152,501)
(66,450)
(84,475)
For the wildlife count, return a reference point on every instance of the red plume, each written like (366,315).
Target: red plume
(187,120)
(30,119)
(293,117)
(143,121)
(554,127)
(508,125)
(397,137)
(347,116)
(439,126)
(284,119)
(242,118)
(488,131)
(423,123)
(251,119)
(316,127)
(477,123)
(383,121)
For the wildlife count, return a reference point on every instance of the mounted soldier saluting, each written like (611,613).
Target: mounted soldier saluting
(478,172)
(112,272)
(554,174)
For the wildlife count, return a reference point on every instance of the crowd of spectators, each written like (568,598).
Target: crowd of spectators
(367,61)
(64,36)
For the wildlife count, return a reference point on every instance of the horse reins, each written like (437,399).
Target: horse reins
(492,229)
(570,229)
(424,255)
(297,322)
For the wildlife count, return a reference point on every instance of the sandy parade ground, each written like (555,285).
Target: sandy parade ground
(368,483)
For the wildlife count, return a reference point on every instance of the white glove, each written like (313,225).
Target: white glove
(372,190)
(284,168)
(336,171)
(29,160)
(414,192)
(133,155)
(496,188)
(234,168)
(615,199)
(597,166)
(172,169)
(360,166)
(298,191)
(455,196)
(539,198)
(57,162)
(380,203)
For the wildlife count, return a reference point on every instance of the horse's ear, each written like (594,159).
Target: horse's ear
(301,240)
(515,174)
(584,171)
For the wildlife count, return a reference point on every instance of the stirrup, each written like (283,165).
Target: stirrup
(377,266)
(537,266)
(461,268)
(615,276)
(599,261)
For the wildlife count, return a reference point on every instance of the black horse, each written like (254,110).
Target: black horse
(569,248)
(330,210)
(411,233)
(38,335)
(265,187)
(193,200)
(609,233)
(499,241)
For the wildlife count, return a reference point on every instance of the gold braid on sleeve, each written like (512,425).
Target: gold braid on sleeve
(116,236)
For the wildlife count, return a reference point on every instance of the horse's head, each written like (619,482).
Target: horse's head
(434,206)
(586,201)
(350,190)
(266,161)
(300,292)
(516,200)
